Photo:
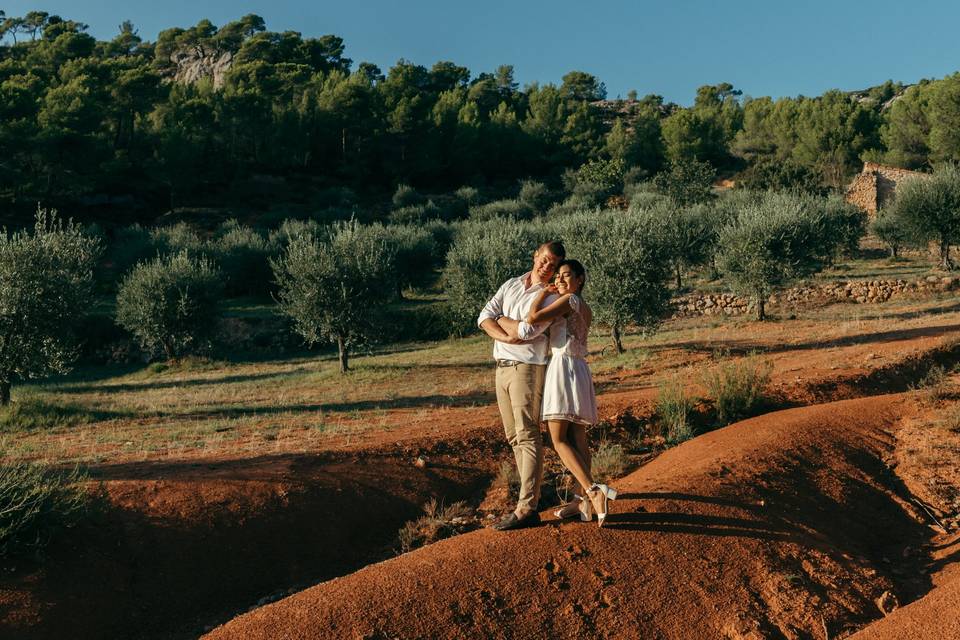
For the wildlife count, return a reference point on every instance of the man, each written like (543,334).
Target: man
(521,366)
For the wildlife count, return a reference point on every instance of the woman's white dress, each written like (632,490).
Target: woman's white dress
(568,388)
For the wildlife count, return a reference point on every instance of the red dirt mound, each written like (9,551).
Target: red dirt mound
(778,526)
(181,546)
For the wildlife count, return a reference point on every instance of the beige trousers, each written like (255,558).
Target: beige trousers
(519,393)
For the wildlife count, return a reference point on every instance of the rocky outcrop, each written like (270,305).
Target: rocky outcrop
(876,185)
(855,292)
(193,65)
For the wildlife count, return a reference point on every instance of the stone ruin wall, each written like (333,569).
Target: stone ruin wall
(876,185)
(853,292)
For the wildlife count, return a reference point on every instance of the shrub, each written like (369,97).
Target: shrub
(737,388)
(594,182)
(934,385)
(640,198)
(46,283)
(244,257)
(170,304)
(514,209)
(608,462)
(177,238)
(335,287)
(780,175)
(675,407)
(686,182)
(535,195)
(483,257)
(36,504)
(292,228)
(469,195)
(415,213)
(405,196)
(438,523)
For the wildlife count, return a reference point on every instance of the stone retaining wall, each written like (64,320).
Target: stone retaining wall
(856,292)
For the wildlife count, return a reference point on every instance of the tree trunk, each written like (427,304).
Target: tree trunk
(677,270)
(894,250)
(4,393)
(761,314)
(617,342)
(945,262)
(344,356)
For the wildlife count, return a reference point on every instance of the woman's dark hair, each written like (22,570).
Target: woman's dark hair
(577,269)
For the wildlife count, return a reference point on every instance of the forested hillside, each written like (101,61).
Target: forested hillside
(240,116)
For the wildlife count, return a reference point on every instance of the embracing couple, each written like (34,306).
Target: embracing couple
(539,324)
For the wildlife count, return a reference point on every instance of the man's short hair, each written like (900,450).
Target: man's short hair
(555,247)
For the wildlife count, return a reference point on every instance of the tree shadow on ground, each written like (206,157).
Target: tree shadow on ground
(745,347)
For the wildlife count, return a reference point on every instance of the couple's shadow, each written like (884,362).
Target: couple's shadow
(640,519)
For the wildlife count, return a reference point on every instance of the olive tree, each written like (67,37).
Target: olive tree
(46,283)
(892,230)
(930,208)
(335,284)
(627,268)
(687,234)
(776,239)
(482,257)
(171,303)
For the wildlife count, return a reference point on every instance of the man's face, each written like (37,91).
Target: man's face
(544,265)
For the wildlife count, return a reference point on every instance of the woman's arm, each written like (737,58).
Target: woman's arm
(558,307)
(509,326)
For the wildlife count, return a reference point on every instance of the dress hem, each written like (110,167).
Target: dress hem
(567,417)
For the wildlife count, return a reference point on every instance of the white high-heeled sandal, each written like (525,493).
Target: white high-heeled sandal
(586,509)
(608,493)
(570,509)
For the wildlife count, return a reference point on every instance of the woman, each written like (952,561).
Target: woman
(569,402)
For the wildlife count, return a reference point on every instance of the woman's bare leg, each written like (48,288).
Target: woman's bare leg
(577,434)
(569,456)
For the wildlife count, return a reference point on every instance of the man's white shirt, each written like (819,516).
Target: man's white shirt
(513,300)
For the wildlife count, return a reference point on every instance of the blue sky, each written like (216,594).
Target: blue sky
(763,47)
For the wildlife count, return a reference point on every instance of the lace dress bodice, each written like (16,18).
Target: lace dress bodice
(570,337)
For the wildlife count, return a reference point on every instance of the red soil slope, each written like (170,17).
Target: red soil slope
(778,526)
(934,617)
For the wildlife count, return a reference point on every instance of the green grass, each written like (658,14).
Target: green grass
(40,412)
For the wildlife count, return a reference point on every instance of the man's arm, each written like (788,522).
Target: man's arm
(492,329)
(489,315)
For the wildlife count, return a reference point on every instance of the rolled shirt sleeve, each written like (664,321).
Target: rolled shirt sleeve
(494,306)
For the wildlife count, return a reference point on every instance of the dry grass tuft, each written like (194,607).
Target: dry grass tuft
(439,522)
(737,388)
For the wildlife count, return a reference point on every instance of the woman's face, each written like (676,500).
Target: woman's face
(567,281)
